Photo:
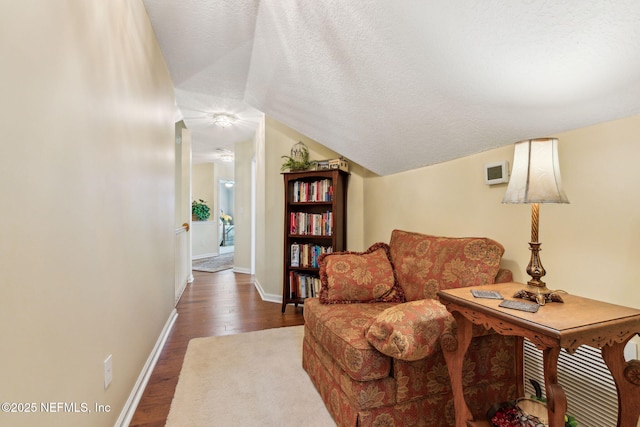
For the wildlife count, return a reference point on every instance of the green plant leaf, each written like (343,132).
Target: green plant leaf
(200,210)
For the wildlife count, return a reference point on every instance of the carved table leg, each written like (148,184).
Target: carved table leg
(627,378)
(454,350)
(556,399)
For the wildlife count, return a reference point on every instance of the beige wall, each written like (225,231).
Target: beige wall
(203,185)
(204,239)
(589,247)
(244,154)
(87,218)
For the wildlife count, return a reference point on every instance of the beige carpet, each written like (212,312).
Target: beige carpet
(248,379)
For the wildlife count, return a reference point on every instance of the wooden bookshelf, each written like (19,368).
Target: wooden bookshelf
(315,211)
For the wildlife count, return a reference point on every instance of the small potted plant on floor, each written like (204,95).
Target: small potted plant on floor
(199,210)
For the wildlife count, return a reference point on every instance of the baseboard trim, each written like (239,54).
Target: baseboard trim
(136,394)
(265,296)
(241,270)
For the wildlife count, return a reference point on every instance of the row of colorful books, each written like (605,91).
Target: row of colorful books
(306,254)
(317,191)
(303,285)
(304,223)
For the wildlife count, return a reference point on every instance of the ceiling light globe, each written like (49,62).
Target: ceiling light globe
(223,120)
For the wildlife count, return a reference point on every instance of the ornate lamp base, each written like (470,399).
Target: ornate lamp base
(541,295)
(536,289)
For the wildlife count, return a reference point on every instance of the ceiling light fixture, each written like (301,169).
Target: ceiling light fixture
(223,120)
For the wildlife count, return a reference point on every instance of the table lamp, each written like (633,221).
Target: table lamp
(535,179)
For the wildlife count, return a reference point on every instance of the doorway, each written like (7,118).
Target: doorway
(226,230)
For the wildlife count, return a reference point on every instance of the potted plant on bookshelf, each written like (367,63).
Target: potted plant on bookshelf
(199,210)
(299,159)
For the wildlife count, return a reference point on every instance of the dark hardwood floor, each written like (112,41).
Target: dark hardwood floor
(222,303)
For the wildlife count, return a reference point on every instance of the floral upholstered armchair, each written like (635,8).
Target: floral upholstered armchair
(372,337)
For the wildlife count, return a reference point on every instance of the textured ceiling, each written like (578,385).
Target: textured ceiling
(404,84)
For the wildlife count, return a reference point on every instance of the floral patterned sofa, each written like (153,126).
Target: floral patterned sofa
(371,344)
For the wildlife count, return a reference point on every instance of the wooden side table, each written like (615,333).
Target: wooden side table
(578,321)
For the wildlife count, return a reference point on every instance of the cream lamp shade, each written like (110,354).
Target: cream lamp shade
(535,177)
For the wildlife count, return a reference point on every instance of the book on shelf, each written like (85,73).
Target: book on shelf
(295,255)
(303,285)
(317,191)
(306,255)
(311,224)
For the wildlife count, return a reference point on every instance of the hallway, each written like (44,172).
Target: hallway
(222,303)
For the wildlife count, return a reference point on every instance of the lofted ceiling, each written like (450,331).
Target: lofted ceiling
(397,85)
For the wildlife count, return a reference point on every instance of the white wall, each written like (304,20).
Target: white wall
(589,247)
(87,216)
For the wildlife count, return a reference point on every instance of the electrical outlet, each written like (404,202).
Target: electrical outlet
(108,371)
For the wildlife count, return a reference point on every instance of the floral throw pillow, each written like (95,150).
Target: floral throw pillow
(352,277)
(410,331)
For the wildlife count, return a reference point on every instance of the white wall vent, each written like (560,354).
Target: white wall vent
(585,379)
